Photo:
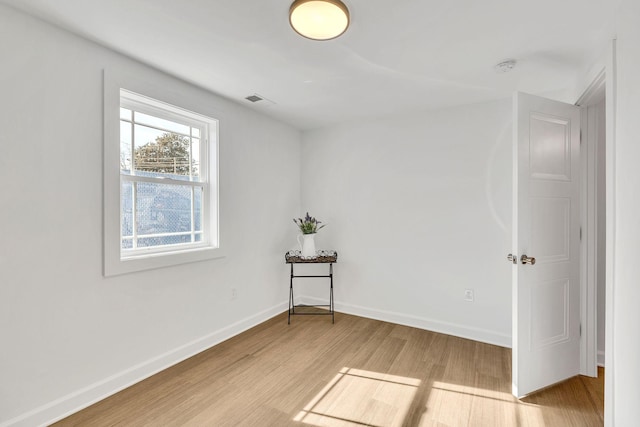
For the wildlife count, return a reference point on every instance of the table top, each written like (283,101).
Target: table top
(322,257)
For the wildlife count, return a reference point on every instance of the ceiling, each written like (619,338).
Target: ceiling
(397,55)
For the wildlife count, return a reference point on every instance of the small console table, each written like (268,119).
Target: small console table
(322,257)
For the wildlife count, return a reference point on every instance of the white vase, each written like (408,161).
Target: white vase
(307,245)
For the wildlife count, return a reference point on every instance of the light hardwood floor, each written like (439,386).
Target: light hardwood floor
(356,372)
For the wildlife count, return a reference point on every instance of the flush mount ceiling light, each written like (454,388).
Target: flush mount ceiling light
(319,19)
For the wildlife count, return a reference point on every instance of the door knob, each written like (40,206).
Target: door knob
(527,260)
(513,258)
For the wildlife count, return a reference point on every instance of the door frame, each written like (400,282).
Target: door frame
(610,114)
(610,67)
(589,153)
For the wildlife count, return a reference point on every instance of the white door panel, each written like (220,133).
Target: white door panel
(546,315)
(550,229)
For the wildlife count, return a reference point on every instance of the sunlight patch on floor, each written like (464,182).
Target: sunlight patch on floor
(356,397)
(459,404)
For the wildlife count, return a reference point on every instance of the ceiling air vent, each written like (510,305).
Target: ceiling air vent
(254,98)
(264,102)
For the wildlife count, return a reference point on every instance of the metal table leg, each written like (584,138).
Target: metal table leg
(291,305)
(331,307)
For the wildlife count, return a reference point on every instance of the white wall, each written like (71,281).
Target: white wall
(68,335)
(419,209)
(622,393)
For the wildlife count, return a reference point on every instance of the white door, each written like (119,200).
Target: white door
(546,286)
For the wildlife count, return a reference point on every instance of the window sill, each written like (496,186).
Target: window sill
(142,262)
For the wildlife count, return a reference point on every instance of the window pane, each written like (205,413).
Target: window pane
(125,114)
(159,153)
(125,147)
(195,132)
(167,125)
(195,157)
(126,209)
(197,205)
(127,243)
(163,209)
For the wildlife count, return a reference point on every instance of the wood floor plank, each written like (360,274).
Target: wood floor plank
(353,373)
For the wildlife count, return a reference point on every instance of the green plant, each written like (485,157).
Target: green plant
(308,225)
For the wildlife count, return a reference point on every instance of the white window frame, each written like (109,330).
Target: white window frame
(138,103)
(147,98)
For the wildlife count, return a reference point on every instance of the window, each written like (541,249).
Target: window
(160,174)
(164,185)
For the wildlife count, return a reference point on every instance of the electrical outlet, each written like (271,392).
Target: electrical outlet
(234,293)
(468,294)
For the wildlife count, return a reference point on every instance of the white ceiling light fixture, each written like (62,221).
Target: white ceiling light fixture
(319,19)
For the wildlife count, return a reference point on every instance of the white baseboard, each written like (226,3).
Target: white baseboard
(462,331)
(80,399)
(601,358)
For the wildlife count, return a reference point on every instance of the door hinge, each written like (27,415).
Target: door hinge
(580,136)
(580,329)
(580,233)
